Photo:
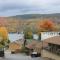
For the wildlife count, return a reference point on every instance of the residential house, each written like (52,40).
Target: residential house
(16,46)
(38,47)
(32,44)
(51,48)
(46,35)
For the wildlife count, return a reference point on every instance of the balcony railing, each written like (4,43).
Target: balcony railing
(50,49)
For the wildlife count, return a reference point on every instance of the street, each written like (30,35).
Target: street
(18,57)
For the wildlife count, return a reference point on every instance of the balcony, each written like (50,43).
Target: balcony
(53,48)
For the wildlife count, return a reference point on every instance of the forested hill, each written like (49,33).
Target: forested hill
(30,16)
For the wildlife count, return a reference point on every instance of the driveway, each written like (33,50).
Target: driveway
(9,56)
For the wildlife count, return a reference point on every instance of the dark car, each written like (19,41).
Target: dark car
(1,52)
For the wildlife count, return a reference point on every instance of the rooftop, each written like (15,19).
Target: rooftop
(53,40)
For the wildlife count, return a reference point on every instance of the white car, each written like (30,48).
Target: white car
(35,54)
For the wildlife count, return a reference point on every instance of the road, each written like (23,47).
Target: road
(18,57)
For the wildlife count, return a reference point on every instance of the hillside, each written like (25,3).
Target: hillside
(55,17)
(19,22)
(30,16)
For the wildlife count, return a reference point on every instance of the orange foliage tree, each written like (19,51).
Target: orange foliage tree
(3,35)
(46,25)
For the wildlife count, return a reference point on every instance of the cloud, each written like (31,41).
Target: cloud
(15,7)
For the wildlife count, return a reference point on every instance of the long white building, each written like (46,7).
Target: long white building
(45,35)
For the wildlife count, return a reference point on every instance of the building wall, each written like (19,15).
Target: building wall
(35,36)
(15,36)
(14,46)
(50,55)
(38,47)
(45,35)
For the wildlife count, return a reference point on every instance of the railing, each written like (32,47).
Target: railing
(51,50)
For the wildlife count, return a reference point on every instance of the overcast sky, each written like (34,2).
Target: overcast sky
(17,7)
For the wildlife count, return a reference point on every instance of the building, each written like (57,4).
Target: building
(35,45)
(16,46)
(46,35)
(35,36)
(15,36)
(38,47)
(51,48)
(32,44)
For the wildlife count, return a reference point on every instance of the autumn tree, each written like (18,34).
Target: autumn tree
(3,36)
(46,25)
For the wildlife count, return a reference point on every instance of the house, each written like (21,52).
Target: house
(51,48)
(15,36)
(35,45)
(32,44)
(38,47)
(46,35)
(35,36)
(15,46)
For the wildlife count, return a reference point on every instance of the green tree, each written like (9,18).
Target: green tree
(28,33)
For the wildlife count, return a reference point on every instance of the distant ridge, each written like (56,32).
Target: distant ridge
(32,16)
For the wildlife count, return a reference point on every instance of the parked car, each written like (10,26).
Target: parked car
(35,54)
(12,52)
(1,52)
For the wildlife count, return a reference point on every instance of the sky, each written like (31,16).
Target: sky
(19,7)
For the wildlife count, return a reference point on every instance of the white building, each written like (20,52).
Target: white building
(15,36)
(45,35)
(35,36)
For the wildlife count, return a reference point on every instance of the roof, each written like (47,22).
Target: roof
(32,44)
(19,42)
(38,45)
(14,43)
(53,40)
